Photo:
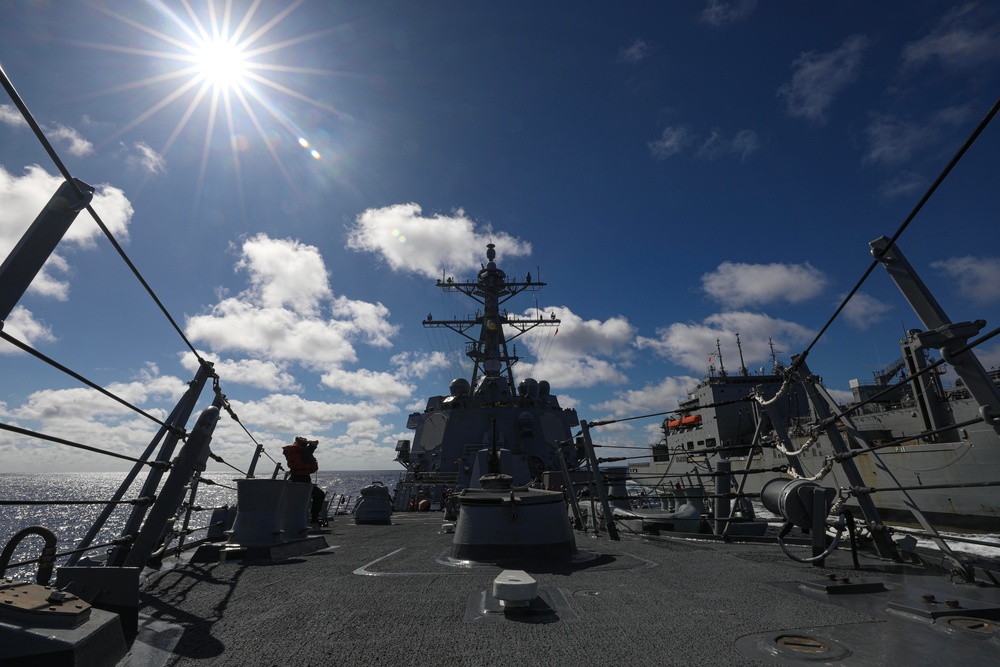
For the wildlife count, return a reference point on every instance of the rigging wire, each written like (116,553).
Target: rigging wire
(927,369)
(135,501)
(55,364)
(162,465)
(50,150)
(605,422)
(138,276)
(22,107)
(913,214)
(115,542)
(224,403)
(61,167)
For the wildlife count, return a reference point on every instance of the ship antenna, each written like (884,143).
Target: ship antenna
(775,367)
(743,369)
(494,467)
(718,351)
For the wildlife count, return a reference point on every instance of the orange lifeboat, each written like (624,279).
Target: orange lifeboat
(691,420)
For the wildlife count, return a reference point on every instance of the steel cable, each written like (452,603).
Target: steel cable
(55,364)
(913,214)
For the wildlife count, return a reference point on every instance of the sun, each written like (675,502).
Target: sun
(231,65)
(221,63)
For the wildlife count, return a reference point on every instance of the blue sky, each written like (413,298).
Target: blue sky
(677,172)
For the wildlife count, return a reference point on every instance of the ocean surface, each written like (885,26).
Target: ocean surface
(70,523)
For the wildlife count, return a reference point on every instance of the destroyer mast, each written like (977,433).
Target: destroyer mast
(493,361)
(488,419)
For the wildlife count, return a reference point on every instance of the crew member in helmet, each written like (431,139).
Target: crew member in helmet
(302,463)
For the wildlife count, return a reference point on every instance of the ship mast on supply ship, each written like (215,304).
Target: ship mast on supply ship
(488,422)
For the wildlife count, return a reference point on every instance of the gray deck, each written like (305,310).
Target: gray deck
(386,595)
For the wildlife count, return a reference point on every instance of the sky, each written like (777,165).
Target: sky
(291,179)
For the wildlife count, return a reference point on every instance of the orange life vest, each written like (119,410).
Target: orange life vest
(300,460)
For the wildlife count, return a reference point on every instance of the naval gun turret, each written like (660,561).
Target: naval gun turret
(455,437)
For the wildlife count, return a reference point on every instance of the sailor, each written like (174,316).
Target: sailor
(302,463)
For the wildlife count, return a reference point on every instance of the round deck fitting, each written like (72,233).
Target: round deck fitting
(976,625)
(802,644)
(795,647)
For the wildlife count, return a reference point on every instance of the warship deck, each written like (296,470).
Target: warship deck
(390,595)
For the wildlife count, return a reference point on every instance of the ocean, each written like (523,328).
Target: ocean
(70,523)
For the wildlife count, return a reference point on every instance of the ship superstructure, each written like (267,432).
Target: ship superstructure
(926,436)
(487,423)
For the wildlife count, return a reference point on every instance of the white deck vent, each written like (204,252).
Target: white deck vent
(515,588)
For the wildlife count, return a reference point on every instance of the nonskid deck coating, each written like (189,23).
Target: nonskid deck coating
(388,595)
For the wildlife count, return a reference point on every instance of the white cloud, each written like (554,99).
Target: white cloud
(73,140)
(22,325)
(692,345)
(718,145)
(370,384)
(24,198)
(819,77)
(578,353)
(674,140)
(903,184)
(893,140)
(721,12)
(736,284)
(744,143)
(268,375)
(418,364)
(976,278)
(9,115)
(369,319)
(46,284)
(289,314)
(678,138)
(284,273)
(85,416)
(293,415)
(963,39)
(147,159)
(574,371)
(235,325)
(841,396)
(634,52)
(864,310)
(651,398)
(409,241)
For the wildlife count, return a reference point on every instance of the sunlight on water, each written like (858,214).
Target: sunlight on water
(70,523)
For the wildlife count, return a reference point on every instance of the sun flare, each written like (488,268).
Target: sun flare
(221,63)
(234,67)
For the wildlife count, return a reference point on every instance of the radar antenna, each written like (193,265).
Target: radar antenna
(489,351)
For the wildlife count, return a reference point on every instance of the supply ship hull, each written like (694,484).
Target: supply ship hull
(950,473)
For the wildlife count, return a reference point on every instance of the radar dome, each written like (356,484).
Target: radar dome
(459,387)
